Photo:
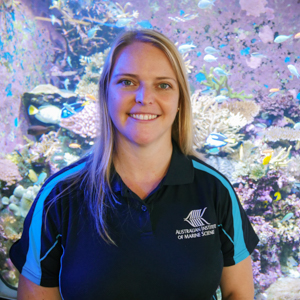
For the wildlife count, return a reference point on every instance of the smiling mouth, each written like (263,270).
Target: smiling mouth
(143,116)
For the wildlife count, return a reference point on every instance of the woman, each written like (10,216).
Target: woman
(141,217)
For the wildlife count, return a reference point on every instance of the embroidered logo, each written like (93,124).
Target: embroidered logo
(195,218)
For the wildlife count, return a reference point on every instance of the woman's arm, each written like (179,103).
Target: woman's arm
(237,281)
(28,290)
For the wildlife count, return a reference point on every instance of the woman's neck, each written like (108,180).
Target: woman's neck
(145,165)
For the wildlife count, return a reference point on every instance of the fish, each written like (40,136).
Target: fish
(32,175)
(297,35)
(41,178)
(267,159)
(282,38)
(90,97)
(293,70)
(297,147)
(221,98)
(265,115)
(189,17)
(274,90)
(287,217)
(297,126)
(74,146)
(207,91)
(203,4)
(292,262)
(211,50)
(92,32)
(69,61)
(217,140)
(71,109)
(220,72)
(39,129)
(53,19)
(213,151)
(258,55)
(261,125)
(271,95)
(46,113)
(123,22)
(145,24)
(296,184)
(277,196)
(66,83)
(268,151)
(241,152)
(186,48)
(210,58)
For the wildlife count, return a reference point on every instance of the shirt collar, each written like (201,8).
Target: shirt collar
(181,171)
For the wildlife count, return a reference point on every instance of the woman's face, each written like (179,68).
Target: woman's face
(143,95)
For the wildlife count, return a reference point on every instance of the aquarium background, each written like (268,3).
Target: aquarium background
(243,63)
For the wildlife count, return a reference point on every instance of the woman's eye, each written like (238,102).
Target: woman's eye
(165,86)
(126,82)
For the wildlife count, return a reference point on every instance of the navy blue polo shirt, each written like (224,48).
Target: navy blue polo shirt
(171,245)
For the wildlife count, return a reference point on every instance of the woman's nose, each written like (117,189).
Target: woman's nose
(144,95)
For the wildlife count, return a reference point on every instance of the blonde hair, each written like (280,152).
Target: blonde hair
(98,170)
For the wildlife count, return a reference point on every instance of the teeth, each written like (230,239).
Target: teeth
(143,116)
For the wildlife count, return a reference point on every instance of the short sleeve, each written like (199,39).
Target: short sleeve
(37,254)
(237,235)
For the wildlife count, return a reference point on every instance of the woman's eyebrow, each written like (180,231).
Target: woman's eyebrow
(136,76)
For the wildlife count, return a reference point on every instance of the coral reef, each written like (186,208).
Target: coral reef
(83,123)
(209,117)
(9,172)
(248,109)
(274,134)
(284,288)
(218,84)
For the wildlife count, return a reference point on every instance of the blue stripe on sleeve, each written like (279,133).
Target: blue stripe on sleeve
(32,267)
(240,250)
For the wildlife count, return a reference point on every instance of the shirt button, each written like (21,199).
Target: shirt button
(144,207)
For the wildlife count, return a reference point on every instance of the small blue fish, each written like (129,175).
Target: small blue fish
(92,32)
(293,70)
(297,126)
(41,178)
(123,22)
(66,83)
(282,38)
(211,50)
(221,98)
(186,48)
(210,58)
(287,217)
(16,122)
(71,109)
(207,91)
(258,55)
(271,95)
(145,24)
(69,61)
(200,77)
(220,72)
(203,4)
(213,151)
(53,19)
(216,140)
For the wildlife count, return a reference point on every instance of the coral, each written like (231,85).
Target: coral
(187,63)
(224,165)
(284,288)
(279,160)
(9,172)
(248,109)
(253,7)
(83,123)
(93,69)
(279,105)
(218,84)
(266,34)
(209,117)
(274,134)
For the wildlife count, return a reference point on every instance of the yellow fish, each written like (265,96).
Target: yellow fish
(297,35)
(267,159)
(32,175)
(90,97)
(274,90)
(74,146)
(277,196)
